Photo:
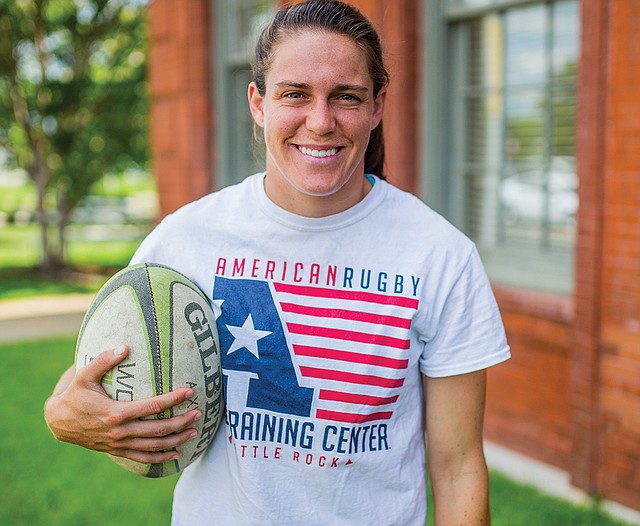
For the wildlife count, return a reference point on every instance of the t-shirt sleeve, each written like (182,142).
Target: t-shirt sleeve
(468,334)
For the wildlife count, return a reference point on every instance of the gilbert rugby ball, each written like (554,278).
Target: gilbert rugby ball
(168,325)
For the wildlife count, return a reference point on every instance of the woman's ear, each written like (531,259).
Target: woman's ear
(378,107)
(255,104)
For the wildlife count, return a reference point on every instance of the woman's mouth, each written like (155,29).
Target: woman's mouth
(318,153)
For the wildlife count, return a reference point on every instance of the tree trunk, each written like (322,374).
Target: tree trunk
(40,176)
(64,212)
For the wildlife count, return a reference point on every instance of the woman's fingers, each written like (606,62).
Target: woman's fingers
(80,412)
(152,428)
(91,374)
(146,457)
(155,405)
(154,445)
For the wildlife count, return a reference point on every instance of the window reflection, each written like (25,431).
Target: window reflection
(520,180)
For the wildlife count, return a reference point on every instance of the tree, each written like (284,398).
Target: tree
(73,100)
(527,136)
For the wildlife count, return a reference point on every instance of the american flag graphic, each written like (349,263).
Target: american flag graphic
(345,351)
(350,346)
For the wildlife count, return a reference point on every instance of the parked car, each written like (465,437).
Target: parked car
(524,195)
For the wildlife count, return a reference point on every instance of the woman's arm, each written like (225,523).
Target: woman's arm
(80,412)
(454,418)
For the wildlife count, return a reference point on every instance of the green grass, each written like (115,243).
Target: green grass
(124,184)
(46,482)
(514,504)
(21,197)
(20,247)
(27,282)
(519,505)
(17,192)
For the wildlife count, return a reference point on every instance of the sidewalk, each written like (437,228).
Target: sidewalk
(42,317)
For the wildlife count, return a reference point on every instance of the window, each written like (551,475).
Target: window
(237,25)
(510,149)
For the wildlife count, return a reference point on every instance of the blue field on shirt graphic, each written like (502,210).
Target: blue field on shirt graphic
(314,358)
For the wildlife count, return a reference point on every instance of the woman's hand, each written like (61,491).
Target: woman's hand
(80,412)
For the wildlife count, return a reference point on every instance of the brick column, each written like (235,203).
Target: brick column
(618,473)
(399,27)
(590,139)
(181,117)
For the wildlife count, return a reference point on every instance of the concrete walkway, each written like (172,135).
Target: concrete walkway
(42,317)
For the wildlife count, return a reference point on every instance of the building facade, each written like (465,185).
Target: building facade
(518,120)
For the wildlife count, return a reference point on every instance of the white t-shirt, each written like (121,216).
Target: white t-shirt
(325,326)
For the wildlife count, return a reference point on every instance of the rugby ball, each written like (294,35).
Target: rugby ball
(168,325)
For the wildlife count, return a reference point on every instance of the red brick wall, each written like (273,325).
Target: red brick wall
(591,137)
(397,22)
(528,397)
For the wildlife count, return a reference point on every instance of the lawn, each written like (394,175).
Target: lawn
(46,482)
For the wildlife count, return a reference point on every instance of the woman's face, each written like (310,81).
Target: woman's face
(317,113)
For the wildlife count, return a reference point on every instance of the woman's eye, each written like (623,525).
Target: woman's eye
(347,97)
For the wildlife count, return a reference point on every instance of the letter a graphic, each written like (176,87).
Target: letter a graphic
(248,308)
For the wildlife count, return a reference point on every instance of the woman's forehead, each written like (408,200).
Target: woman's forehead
(305,56)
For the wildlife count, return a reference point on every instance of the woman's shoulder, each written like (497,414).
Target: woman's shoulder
(409,213)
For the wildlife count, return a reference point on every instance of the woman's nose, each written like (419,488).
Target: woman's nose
(320,118)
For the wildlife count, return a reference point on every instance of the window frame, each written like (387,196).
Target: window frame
(229,61)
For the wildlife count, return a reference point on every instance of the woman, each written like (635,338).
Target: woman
(336,295)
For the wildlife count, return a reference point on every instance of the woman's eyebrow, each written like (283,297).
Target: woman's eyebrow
(351,87)
(292,84)
(305,86)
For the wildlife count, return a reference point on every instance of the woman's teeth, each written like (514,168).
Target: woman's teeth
(317,153)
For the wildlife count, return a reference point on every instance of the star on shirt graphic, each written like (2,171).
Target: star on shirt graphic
(246,337)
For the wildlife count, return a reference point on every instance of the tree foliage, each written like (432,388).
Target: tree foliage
(549,127)
(73,99)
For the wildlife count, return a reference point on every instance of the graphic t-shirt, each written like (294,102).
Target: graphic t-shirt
(325,328)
